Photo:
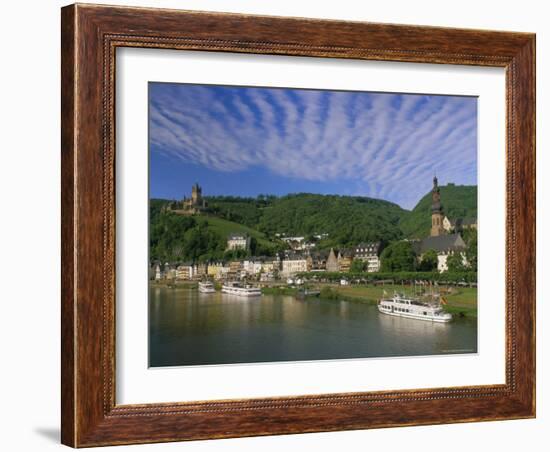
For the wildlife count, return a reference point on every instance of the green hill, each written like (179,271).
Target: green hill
(174,237)
(458,201)
(226,227)
(347,220)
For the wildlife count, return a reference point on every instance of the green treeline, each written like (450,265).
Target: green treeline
(397,277)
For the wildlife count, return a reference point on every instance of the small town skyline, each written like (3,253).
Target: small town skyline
(246,141)
(302,256)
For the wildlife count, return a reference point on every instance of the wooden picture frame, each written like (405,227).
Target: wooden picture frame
(90,36)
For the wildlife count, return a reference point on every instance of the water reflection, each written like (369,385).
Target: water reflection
(189,328)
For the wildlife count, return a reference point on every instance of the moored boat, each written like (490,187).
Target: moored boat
(410,307)
(206,287)
(242,290)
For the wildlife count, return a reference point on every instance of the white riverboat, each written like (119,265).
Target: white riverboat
(242,290)
(206,287)
(402,306)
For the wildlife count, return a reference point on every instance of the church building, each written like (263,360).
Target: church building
(440,240)
(437,211)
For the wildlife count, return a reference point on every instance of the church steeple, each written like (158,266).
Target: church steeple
(437,210)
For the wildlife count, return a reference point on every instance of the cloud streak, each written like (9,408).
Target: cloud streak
(380,145)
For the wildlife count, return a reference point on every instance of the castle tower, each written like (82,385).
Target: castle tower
(437,211)
(196,194)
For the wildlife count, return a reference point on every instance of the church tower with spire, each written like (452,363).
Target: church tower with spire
(437,211)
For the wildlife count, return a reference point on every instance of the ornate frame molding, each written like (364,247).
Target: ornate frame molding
(90,37)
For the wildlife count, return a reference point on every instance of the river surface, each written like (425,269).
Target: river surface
(190,328)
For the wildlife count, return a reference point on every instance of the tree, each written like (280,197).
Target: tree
(471,251)
(455,262)
(399,256)
(357,266)
(429,261)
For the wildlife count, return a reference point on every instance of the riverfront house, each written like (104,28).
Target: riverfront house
(238,241)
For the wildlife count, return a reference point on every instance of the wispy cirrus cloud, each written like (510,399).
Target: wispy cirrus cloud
(380,145)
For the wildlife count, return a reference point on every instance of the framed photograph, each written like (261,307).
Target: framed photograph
(281,225)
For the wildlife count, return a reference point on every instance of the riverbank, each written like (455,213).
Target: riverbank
(460,301)
(175,284)
(280,290)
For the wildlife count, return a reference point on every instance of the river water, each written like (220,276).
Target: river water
(190,328)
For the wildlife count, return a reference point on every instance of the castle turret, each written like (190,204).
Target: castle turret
(196,194)
(437,211)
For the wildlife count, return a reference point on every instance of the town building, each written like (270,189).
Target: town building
(200,270)
(235,268)
(213,269)
(169,271)
(223,272)
(332,264)
(443,245)
(252,266)
(238,241)
(345,258)
(184,272)
(443,255)
(370,254)
(317,261)
(294,264)
(269,265)
(459,224)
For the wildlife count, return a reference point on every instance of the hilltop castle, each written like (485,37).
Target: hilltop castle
(189,206)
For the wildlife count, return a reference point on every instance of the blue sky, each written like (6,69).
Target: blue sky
(246,141)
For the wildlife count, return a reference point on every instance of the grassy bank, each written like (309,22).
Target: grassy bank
(183,284)
(460,301)
(280,291)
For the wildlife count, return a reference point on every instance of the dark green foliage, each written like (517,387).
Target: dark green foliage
(470,237)
(455,263)
(428,262)
(246,211)
(397,277)
(458,201)
(347,220)
(233,255)
(358,266)
(328,293)
(398,257)
(176,238)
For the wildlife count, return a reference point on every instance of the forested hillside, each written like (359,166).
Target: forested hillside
(458,201)
(345,220)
